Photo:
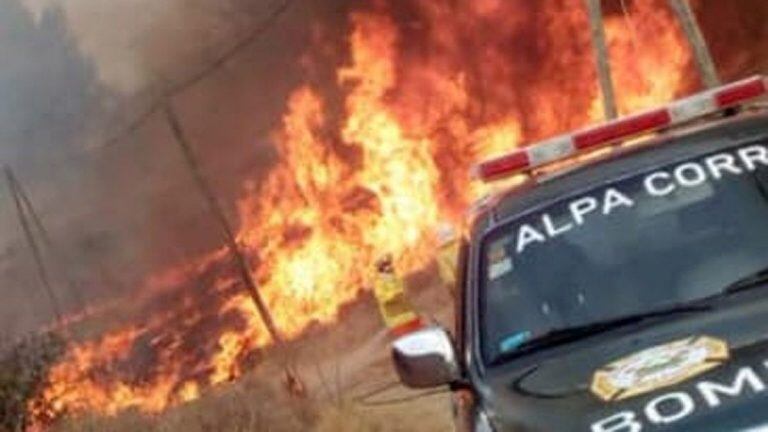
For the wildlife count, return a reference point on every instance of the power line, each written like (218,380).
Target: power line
(174,89)
(235,49)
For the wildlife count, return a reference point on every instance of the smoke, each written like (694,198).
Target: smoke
(49,94)
(126,208)
(143,43)
(117,209)
(138,209)
(118,38)
(97,64)
(45,95)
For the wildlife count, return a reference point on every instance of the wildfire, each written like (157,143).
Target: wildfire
(425,96)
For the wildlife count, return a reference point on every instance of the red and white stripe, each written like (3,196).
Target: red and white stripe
(678,112)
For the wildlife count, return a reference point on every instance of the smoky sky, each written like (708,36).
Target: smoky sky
(49,94)
(47,86)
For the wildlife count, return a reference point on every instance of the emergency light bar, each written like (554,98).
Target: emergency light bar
(675,113)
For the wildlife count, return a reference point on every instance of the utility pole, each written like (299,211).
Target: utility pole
(601,57)
(699,45)
(30,211)
(22,194)
(42,272)
(218,213)
(294,382)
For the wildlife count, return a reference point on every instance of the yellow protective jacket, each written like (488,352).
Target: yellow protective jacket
(394,307)
(447,260)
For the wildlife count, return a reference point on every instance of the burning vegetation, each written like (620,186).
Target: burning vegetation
(368,166)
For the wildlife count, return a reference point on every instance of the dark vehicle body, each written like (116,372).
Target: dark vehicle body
(708,349)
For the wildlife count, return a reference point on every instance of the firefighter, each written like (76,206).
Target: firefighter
(389,289)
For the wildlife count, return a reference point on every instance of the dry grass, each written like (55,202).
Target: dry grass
(422,416)
(255,409)
(259,403)
(338,364)
(248,406)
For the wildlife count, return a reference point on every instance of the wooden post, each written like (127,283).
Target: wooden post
(701,51)
(292,380)
(42,272)
(218,214)
(21,193)
(601,57)
(29,210)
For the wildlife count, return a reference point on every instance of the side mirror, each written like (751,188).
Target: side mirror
(425,358)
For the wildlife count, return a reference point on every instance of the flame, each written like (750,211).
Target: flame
(424,97)
(649,79)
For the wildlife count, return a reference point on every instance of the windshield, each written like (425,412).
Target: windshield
(659,238)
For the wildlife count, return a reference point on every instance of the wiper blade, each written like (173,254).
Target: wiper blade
(571,334)
(748,282)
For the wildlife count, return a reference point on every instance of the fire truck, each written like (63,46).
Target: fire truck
(623,286)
